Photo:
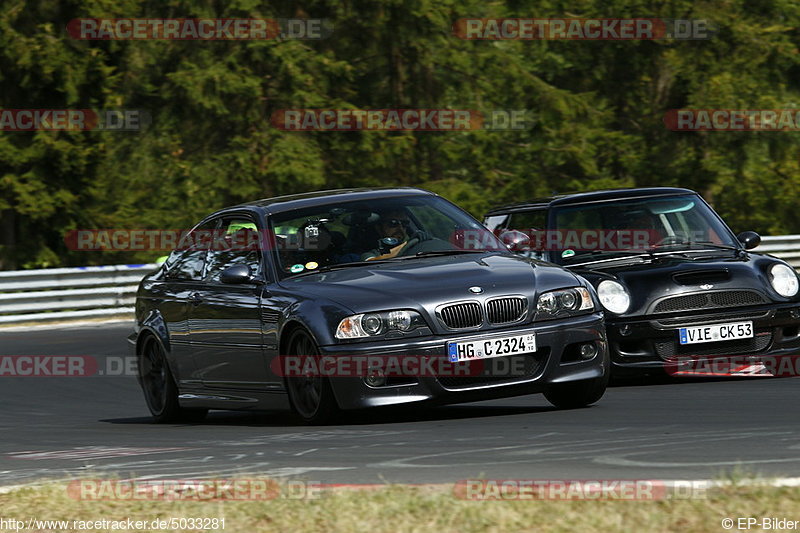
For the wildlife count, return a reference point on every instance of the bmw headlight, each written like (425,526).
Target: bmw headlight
(553,302)
(783,279)
(376,324)
(613,296)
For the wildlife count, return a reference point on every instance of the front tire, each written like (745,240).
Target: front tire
(310,396)
(160,390)
(580,393)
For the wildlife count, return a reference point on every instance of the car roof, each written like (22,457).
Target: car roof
(291,202)
(589,197)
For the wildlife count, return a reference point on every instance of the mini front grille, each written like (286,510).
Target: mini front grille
(761,341)
(735,298)
(462,315)
(506,310)
(709,300)
(706,318)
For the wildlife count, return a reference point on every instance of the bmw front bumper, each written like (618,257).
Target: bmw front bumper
(555,361)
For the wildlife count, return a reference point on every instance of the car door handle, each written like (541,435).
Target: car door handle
(195,299)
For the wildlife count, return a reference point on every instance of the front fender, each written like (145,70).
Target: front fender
(320,318)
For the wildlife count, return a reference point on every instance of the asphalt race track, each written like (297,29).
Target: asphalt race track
(99,426)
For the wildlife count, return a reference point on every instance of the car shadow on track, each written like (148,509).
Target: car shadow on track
(676,380)
(375,416)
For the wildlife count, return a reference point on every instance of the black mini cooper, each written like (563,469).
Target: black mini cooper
(359,298)
(678,286)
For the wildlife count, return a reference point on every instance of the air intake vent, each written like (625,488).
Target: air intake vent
(270,316)
(697,277)
(506,310)
(709,300)
(461,316)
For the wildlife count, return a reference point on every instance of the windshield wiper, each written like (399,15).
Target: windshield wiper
(715,245)
(635,258)
(704,243)
(449,252)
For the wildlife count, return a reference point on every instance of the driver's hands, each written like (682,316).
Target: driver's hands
(421,235)
(391,253)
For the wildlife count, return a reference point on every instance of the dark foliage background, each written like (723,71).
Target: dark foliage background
(598,109)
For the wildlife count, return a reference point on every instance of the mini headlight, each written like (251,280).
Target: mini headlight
(783,280)
(375,324)
(613,296)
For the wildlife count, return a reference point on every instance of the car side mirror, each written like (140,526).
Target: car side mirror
(236,275)
(750,239)
(516,241)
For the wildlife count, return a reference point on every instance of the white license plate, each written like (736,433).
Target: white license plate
(491,347)
(716,333)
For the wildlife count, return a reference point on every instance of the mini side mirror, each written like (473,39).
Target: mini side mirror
(516,241)
(236,275)
(750,239)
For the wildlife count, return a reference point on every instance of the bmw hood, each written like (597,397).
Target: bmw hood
(430,281)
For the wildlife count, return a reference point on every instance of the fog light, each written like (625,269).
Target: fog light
(375,378)
(588,351)
(625,330)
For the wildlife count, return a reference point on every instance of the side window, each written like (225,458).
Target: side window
(528,220)
(188,260)
(237,242)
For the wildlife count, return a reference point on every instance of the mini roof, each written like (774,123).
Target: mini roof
(589,197)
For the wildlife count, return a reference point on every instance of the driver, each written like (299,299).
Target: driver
(393,230)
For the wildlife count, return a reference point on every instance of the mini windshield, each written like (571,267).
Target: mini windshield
(610,229)
(395,228)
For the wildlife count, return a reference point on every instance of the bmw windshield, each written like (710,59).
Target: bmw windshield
(386,229)
(607,230)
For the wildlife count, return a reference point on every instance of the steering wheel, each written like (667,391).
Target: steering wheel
(415,238)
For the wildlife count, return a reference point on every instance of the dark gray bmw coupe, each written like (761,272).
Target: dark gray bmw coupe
(358,298)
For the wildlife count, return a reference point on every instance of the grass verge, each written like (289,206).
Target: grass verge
(411,509)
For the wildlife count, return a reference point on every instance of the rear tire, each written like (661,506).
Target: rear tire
(158,385)
(580,393)
(311,397)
